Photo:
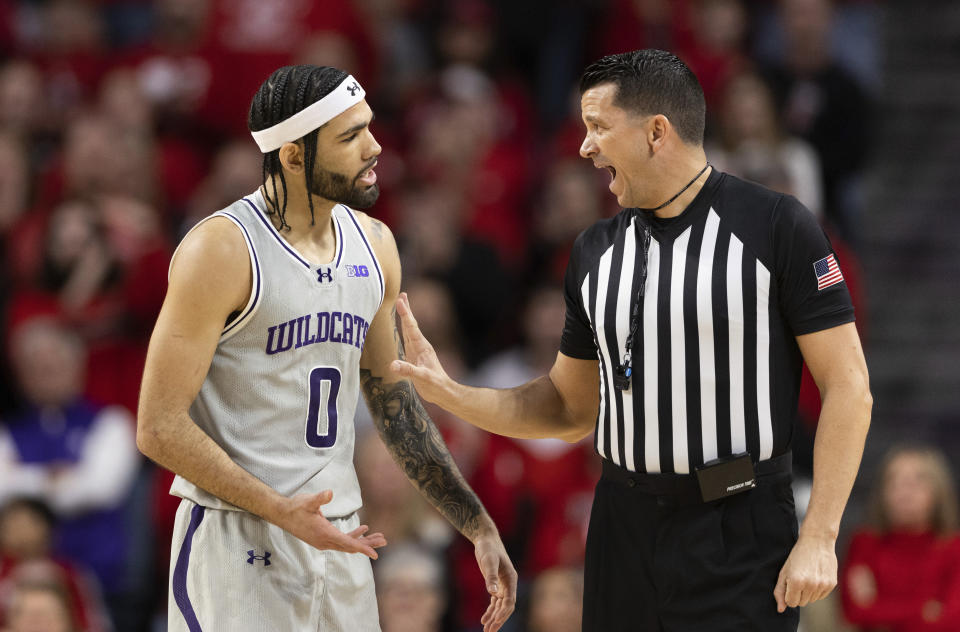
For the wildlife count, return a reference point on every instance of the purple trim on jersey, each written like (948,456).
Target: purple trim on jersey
(276,235)
(180,572)
(340,247)
(256,289)
(373,257)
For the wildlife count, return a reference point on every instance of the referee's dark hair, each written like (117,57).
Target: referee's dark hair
(285,92)
(652,81)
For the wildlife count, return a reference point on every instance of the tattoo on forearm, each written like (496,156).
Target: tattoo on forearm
(419,449)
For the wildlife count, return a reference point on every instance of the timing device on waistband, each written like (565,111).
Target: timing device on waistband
(726,476)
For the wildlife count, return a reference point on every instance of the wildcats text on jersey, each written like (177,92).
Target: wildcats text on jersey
(348,329)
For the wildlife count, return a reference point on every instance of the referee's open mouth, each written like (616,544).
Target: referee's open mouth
(612,170)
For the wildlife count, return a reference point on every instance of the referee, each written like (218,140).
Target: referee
(689,315)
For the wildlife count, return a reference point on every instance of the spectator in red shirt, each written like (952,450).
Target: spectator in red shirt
(40,605)
(556,601)
(26,543)
(903,574)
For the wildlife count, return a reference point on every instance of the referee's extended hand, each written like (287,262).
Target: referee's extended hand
(421,365)
(809,574)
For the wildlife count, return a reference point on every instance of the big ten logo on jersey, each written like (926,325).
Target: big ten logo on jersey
(358,271)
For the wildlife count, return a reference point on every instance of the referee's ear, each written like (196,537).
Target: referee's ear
(659,132)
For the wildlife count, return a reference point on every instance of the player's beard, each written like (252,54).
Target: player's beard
(335,187)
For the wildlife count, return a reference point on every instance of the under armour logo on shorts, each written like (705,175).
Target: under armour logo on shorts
(265,558)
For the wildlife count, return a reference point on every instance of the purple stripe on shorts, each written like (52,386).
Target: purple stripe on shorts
(180,572)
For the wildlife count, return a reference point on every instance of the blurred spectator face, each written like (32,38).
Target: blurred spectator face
(73,230)
(72,26)
(433,306)
(237,169)
(100,158)
(543,321)
(556,601)
(328,48)
(25,533)
(807,24)
(39,608)
(720,24)
(181,21)
(87,152)
(759,162)
(748,111)
(409,591)
(383,484)
(652,11)
(461,127)
(430,219)
(14,181)
(571,202)
(909,492)
(21,97)
(131,226)
(467,35)
(48,361)
(474,99)
(123,101)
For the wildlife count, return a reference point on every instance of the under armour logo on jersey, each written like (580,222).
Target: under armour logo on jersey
(353,89)
(265,558)
(325,273)
(358,271)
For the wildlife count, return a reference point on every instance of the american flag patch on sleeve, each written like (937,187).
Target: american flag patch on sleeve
(827,271)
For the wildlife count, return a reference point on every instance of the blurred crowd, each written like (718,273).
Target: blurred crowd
(123,122)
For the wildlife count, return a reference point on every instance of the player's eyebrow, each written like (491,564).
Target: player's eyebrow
(356,128)
(592,118)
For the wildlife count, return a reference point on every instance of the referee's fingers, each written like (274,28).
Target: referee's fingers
(407,320)
(405,369)
(794,593)
(779,592)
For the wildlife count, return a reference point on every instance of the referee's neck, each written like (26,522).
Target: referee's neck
(680,175)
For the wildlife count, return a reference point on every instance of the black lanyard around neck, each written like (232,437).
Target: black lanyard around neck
(623,374)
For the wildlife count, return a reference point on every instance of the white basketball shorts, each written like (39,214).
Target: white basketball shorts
(231,571)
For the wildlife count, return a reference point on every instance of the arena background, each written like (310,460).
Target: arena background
(123,122)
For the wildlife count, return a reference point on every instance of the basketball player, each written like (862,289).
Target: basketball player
(278,309)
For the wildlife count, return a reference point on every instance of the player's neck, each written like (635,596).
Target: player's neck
(313,236)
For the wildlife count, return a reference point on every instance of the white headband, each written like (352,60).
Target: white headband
(344,96)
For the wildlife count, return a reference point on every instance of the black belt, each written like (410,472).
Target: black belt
(684,485)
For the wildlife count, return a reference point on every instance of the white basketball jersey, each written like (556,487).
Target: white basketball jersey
(283,386)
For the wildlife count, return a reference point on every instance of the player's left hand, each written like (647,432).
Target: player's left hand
(809,574)
(500,578)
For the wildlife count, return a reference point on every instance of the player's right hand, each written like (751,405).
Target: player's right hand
(301,515)
(421,366)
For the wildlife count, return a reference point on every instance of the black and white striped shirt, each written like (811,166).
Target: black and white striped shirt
(716,367)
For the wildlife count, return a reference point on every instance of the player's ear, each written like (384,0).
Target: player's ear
(291,157)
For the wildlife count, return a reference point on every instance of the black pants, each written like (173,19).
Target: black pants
(671,563)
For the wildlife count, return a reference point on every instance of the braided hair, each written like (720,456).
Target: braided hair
(285,92)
